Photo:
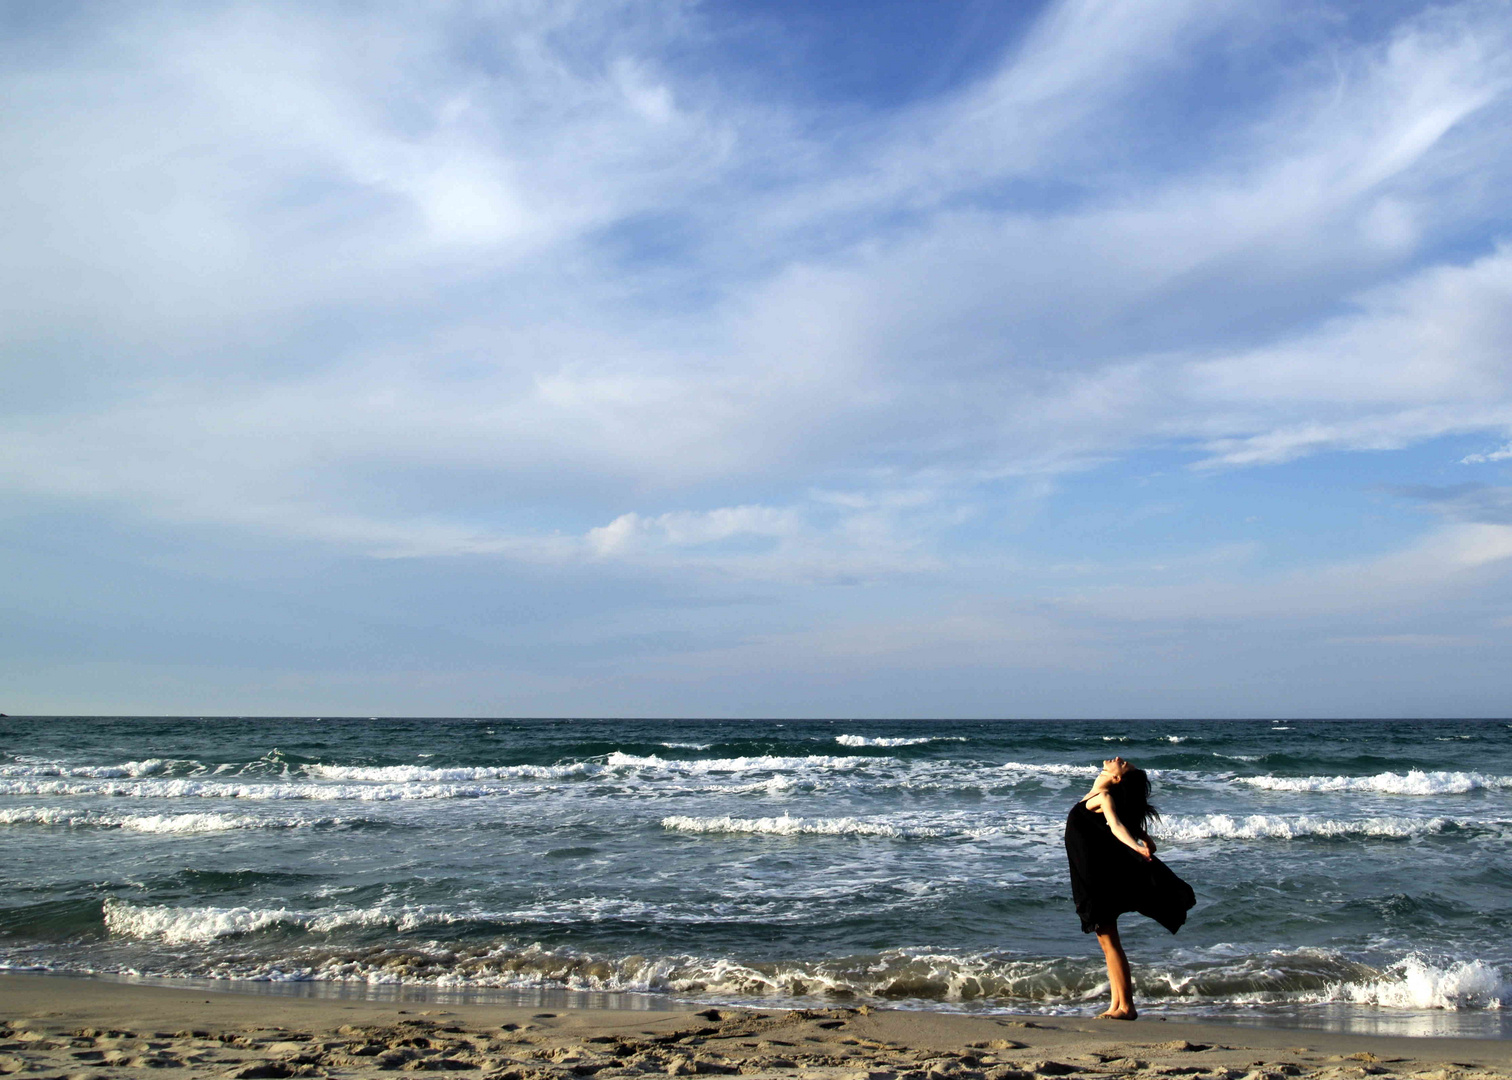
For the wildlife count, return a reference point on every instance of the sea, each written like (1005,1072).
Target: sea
(1354,875)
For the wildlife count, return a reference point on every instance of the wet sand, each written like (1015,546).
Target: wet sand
(85,1029)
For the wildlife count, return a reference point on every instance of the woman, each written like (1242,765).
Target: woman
(1114,870)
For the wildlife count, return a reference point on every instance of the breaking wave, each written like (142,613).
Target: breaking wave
(795,826)
(407,774)
(1412,782)
(213,789)
(1278,827)
(1050,770)
(155,823)
(1046,984)
(865,740)
(125,769)
(182,925)
(1416,983)
(1174,827)
(758,763)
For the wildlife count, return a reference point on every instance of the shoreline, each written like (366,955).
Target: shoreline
(1339,1019)
(85,1028)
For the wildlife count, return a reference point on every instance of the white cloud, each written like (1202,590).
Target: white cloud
(1435,343)
(691,529)
(288,282)
(1501,454)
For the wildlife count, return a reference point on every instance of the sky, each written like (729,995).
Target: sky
(756,358)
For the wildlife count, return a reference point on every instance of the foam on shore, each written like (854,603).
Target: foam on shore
(1412,782)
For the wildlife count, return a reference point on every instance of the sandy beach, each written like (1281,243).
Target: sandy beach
(83,1028)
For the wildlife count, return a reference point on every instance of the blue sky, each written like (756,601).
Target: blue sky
(1090,358)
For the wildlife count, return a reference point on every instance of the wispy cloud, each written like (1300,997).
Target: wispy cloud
(1501,454)
(539,285)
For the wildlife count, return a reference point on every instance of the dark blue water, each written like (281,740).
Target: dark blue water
(1355,870)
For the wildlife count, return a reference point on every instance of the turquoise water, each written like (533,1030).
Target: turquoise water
(1351,873)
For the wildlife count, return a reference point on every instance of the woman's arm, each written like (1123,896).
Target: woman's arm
(1118,829)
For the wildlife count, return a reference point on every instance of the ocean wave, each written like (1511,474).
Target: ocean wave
(1315,976)
(758,763)
(615,764)
(184,925)
(1184,776)
(770,773)
(1050,769)
(179,926)
(891,975)
(277,791)
(943,977)
(406,774)
(967,826)
(1416,982)
(794,826)
(124,769)
(1154,738)
(1276,827)
(1175,828)
(866,740)
(155,823)
(1412,782)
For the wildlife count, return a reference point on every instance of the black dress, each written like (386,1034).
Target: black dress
(1109,878)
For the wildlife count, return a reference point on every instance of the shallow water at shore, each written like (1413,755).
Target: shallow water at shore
(59,1025)
(1348,872)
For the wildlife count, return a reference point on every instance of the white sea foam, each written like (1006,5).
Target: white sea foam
(276,791)
(1044,983)
(892,974)
(1050,769)
(1165,738)
(409,774)
(794,826)
(686,745)
(759,763)
(964,826)
(145,767)
(1418,983)
(152,823)
(180,925)
(1413,782)
(866,740)
(189,924)
(1276,827)
(772,785)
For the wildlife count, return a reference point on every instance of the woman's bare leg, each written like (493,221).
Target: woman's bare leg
(1120,982)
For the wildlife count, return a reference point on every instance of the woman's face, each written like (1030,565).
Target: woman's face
(1113,771)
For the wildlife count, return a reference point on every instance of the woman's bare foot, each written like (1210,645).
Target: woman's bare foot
(1119,1014)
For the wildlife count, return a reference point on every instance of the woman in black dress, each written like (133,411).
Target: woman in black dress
(1114,870)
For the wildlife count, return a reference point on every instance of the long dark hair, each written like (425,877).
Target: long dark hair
(1131,802)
